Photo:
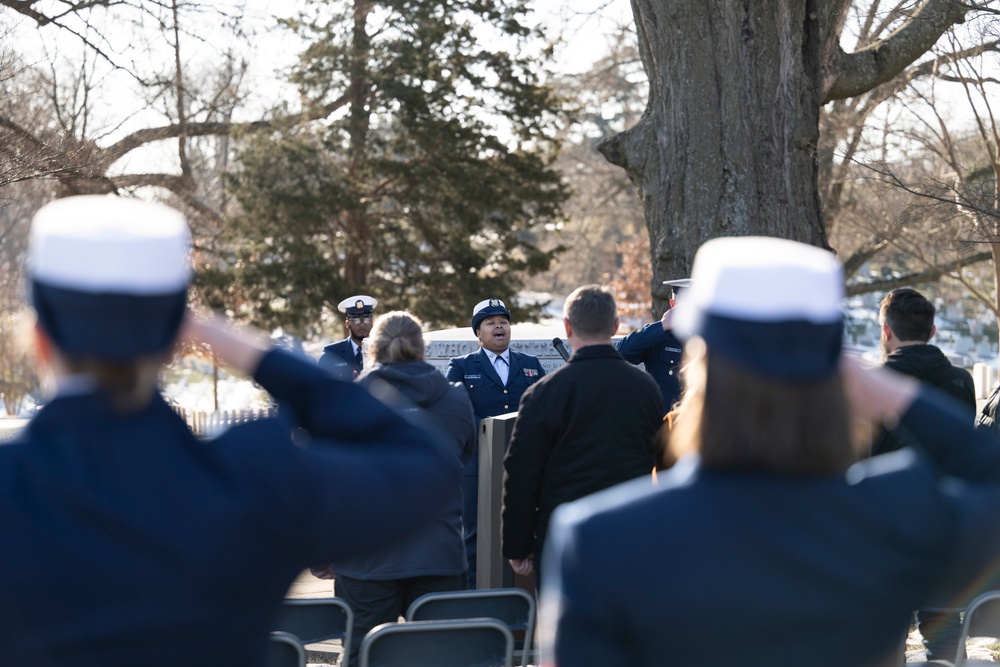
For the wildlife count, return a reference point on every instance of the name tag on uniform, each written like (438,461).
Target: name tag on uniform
(473,377)
(673,349)
(530,372)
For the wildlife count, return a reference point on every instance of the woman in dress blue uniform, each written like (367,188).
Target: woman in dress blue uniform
(765,534)
(123,538)
(491,395)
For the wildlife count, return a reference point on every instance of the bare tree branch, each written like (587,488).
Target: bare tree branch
(856,73)
(853,263)
(928,275)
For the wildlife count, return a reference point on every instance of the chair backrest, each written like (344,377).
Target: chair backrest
(982,619)
(314,620)
(513,606)
(474,642)
(284,650)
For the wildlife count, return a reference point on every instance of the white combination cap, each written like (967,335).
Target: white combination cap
(488,308)
(359,304)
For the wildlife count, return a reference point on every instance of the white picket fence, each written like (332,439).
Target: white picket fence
(209,423)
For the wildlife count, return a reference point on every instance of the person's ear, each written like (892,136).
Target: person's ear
(933,331)
(886,332)
(618,323)
(43,345)
(568,327)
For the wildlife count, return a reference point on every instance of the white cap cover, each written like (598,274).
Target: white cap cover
(96,243)
(109,276)
(359,304)
(773,304)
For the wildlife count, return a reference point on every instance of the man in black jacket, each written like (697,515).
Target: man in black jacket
(587,426)
(907,319)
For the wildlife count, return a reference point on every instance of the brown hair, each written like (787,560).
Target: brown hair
(396,337)
(130,384)
(739,419)
(591,310)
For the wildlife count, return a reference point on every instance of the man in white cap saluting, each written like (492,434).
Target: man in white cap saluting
(495,376)
(766,526)
(345,359)
(123,537)
(658,350)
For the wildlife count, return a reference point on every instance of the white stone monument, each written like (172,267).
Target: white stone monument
(533,339)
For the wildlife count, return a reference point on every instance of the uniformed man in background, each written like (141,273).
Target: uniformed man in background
(656,348)
(345,359)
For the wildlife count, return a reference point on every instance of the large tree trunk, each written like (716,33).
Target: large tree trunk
(727,144)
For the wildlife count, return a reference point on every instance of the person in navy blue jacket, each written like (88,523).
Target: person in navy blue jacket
(491,394)
(658,350)
(123,537)
(345,358)
(380,586)
(766,531)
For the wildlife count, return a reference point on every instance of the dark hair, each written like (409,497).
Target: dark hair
(591,310)
(396,337)
(736,418)
(908,313)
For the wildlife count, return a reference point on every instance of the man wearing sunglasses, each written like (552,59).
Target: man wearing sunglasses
(345,359)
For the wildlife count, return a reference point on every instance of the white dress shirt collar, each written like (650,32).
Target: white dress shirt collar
(492,356)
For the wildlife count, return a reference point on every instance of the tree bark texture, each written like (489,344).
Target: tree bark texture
(727,144)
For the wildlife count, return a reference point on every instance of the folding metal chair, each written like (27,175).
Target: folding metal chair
(474,642)
(513,606)
(314,620)
(982,619)
(284,650)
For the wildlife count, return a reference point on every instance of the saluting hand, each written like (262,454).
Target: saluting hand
(668,319)
(878,394)
(240,348)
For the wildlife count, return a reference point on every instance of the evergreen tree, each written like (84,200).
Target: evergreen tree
(424,188)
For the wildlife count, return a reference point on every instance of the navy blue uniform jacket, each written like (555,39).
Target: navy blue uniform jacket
(125,539)
(660,352)
(339,360)
(489,397)
(785,570)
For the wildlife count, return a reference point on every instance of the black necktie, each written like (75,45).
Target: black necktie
(359,358)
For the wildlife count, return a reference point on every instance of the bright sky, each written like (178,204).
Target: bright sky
(583,25)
